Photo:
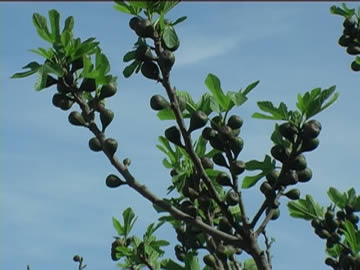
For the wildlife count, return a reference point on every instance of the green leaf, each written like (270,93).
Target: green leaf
(237,98)
(48,54)
(191,262)
(169,264)
(204,104)
(66,38)
(166,114)
(352,237)
(338,11)
(170,37)
(305,208)
(41,80)
(250,181)
(129,220)
(200,148)
(265,165)
(129,70)
(40,24)
(123,7)
(263,116)
(168,5)
(179,20)
(167,164)
(139,4)
(117,226)
(338,198)
(54,18)
(33,66)
(249,264)
(279,113)
(213,84)
(250,87)
(53,68)
(69,24)
(129,56)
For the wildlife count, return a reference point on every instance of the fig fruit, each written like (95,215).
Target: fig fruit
(188,208)
(293,194)
(210,261)
(266,189)
(331,262)
(158,103)
(237,167)
(309,145)
(289,178)
(61,88)
(235,122)
(236,145)
(112,181)
(355,66)
(144,28)
(208,133)
(353,50)
(272,177)
(50,81)
(288,131)
(107,90)
(133,22)
(143,53)
(106,116)
(280,153)
(232,198)
(207,163)
(150,70)
(275,213)
(110,146)
(220,160)
(216,122)
(77,64)
(345,41)
(76,119)
(304,175)
(88,85)
(198,120)
(180,253)
(223,179)
(311,129)
(76,258)
(166,60)
(298,163)
(173,135)
(225,133)
(217,143)
(95,144)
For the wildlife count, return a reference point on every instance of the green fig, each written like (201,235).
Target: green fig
(217,143)
(235,122)
(127,162)
(188,208)
(331,262)
(77,64)
(216,122)
(166,60)
(272,177)
(50,81)
(61,88)
(207,163)
(106,116)
(311,129)
(144,28)
(225,133)
(298,163)
(345,41)
(220,160)
(158,103)
(210,261)
(236,145)
(309,145)
(223,179)
(198,120)
(288,131)
(143,53)
(77,258)
(76,119)
(237,167)
(353,50)
(95,144)
(266,189)
(280,153)
(107,91)
(355,66)
(289,178)
(133,22)
(304,175)
(150,70)
(232,198)
(88,85)
(293,194)
(275,213)
(208,133)
(110,146)
(173,135)
(112,181)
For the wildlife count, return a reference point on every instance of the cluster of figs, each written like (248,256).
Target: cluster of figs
(331,229)
(350,39)
(150,64)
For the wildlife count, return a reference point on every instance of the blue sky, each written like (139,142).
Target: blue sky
(54,202)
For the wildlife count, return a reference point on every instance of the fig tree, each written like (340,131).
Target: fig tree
(107,90)
(88,85)
(76,119)
(304,175)
(166,60)
(311,129)
(173,135)
(150,70)
(110,146)
(95,144)
(293,194)
(223,179)
(235,122)
(106,116)
(220,160)
(208,133)
(280,153)
(237,167)
(198,120)
(112,181)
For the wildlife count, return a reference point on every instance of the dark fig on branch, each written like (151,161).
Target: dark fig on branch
(180,253)
(210,261)
(107,90)
(289,178)
(293,194)
(88,85)
(275,213)
(77,64)
(110,146)
(266,189)
(95,144)
(76,119)
(158,103)
(280,153)
(223,179)
(133,22)
(353,50)
(143,53)
(112,181)
(309,145)
(232,198)
(61,87)
(207,163)
(216,122)
(236,145)
(166,60)
(144,28)
(288,131)
(345,41)
(304,175)
(173,135)
(106,116)
(208,133)
(217,143)
(198,120)
(188,208)
(272,177)
(225,133)
(235,122)
(50,81)
(355,66)
(237,167)
(311,129)
(298,163)
(220,160)
(150,70)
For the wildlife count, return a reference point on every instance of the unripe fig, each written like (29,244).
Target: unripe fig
(345,41)
(179,253)
(204,202)
(235,132)
(237,167)
(272,177)
(236,145)
(223,179)
(293,194)
(50,81)
(150,70)
(316,223)
(232,198)
(166,60)
(110,146)
(61,88)
(304,175)
(275,213)
(158,103)
(322,233)
(106,116)
(208,133)
(280,153)
(77,64)
(76,258)
(311,129)
(355,66)
(266,189)
(225,132)
(298,163)
(173,135)
(210,261)
(107,91)
(112,181)
(144,28)
(217,143)
(95,144)
(289,178)
(188,208)
(198,120)
(88,85)
(331,262)
(127,162)
(143,53)
(353,50)
(216,122)
(235,122)
(349,209)
(288,131)
(133,22)
(76,119)
(207,163)
(220,160)
(309,145)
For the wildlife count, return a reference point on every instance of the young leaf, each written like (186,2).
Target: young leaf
(265,165)
(170,37)
(123,7)
(338,11)
(54,18)
(191,262)
(42,78)
(129,220)
(337,197)
(250,87)
(69,24)
(117,226)
(129,56)
(352,236)
(179,20)
(129,70)
(279,113)
(305,208)
(213,84)
(169,264)
(40,24)
(33,66)
(250,181)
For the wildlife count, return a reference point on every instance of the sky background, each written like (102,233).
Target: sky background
(54,202)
